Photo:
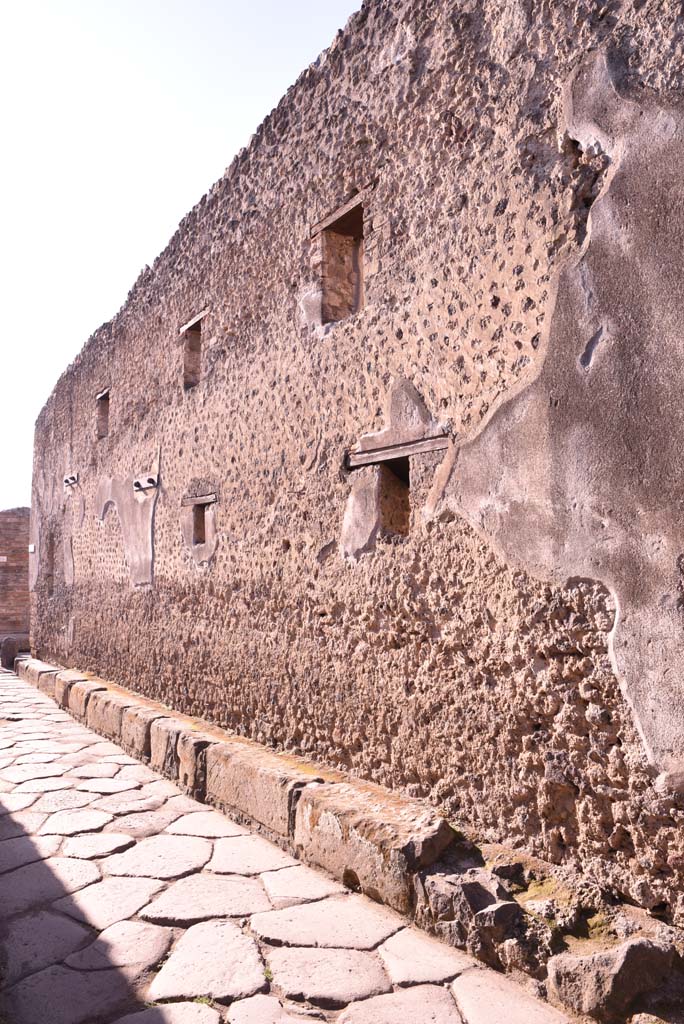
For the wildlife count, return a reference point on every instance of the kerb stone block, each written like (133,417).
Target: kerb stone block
(63,683)
(136,728)
(370,839)
(80,694)
(258,784)
(191,751)
(105,711)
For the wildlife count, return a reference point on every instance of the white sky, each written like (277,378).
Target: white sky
(117,115)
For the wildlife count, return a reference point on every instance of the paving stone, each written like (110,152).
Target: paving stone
(124,944)
(36,758)
(34,941)
(96,844)
(62,800)
(103,749)
(107,786)
(119,759)
(299,884)
(42,882)
(6,787)
(212,959)
(485,997)
(24,772)
(424,1004)
(20,823)
(12,802)
(136,773)
(14,853)
(204,896)
(96,770)
(45,785)
(327,977)
(266,1010)
(70,823)
(173,1013)
(206,823)
(59,995)
(161,857)
(247,855)
(145,823)
(345,922)
(107,902)
(129,803)
(412,958)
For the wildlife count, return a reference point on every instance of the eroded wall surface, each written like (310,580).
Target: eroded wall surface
(394,628)
(14,592)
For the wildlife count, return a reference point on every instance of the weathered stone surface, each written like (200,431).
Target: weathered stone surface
(106,786)
(161,857)
(212,959)
(299,884)
(136,724)
(62,996)
(109,901)
(105,711)
(14,853)
(125,944)
(22,773)
(32,669)
(42,882)
(10,803)
(96,844)
(62,800)
(70,823)
(605,984)
(206,823)
(262,1009)
(412,958)
(79,696)
(365,834)
(345,922)
(262,785)
(45,785)
(484,997)
(34,941)
(205,896)
(63,683)
(144,823)
(327,977)
(130,802)
(20,822)
(248,855)
(424,1004)
(173,1013)
(163,742)
(96,770)
(191,750)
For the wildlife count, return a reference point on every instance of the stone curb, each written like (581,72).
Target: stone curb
(372,840)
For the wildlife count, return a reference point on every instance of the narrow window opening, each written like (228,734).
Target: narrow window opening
(50,566)
(192,356)
(342,281)
(103,414)
(199,525)
(395,497)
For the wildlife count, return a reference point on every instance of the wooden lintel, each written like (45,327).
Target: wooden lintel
(397,451)
(355,200)
(201,499)
(194,321)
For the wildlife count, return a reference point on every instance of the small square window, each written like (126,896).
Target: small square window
(342,266)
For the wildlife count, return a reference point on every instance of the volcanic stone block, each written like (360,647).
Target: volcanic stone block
(105,712)
(164,734)
(370,839)
(63,683)
(32,668)
(191,751)
(136,728)
(261,785)
(79,696)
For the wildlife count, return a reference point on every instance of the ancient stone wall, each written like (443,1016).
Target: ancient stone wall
(376,274)
(14,558)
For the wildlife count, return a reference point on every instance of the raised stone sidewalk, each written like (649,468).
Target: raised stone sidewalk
(123,900)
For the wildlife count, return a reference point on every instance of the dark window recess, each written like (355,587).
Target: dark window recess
(192,356)
(103,414)
(395,497)
(342,283)
(199,525)
(50,565)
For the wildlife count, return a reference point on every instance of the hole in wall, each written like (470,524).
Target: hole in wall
(192,356)
(199,525)
(102,414)
(395,497)
(342,268)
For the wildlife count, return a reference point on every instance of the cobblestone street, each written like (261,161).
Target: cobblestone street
(122,899)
